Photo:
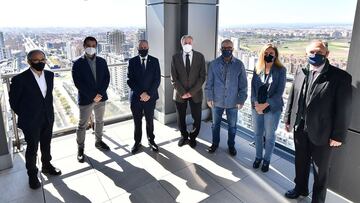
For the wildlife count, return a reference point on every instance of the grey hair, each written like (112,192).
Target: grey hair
(325,44)
(186,37)
(32,52)
(227,41)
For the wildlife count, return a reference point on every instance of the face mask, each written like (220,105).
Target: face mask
(316,59)
(269,58)
(143,52)
(226,53)
(38,66)
(90,51)
(187,48)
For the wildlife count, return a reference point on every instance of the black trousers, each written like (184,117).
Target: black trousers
(306,153)
(138,109)
(38,134)
(181,116)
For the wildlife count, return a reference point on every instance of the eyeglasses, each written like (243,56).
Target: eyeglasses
(39,60)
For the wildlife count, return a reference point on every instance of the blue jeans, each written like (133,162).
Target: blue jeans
(265,125)
(231,117)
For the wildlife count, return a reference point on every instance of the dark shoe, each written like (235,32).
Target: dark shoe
(183,141)
(293,194)
(192,143)
(265,166)
(102,146)
(153,146)
(50,169)
(34,182)
(135,148)
(81,155)
(256,163)
(212,148)
(232,151)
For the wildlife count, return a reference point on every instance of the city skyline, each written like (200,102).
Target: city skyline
(109,13)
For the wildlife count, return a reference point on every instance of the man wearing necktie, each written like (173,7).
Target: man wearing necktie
(319,111)
(143,80)
(187,77)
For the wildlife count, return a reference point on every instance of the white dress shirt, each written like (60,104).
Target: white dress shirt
(317,70)
(40,81)
(190,57)
(141,58)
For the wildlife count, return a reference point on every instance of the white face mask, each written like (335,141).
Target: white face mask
(90,51)
(187,48)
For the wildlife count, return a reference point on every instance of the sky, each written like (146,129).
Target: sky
(131,13)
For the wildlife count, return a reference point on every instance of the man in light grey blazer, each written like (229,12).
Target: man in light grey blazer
(187,76)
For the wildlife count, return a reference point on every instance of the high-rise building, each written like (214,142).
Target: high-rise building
(2,42)
(141,34)
(116,39)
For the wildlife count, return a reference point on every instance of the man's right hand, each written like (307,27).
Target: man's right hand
(210,104)
(287,127)
(97,98)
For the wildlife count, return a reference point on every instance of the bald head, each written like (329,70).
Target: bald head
(317,47)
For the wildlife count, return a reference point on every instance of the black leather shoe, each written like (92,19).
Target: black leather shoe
(183,141)
(293,194)
(212,148)
(153,146)
(265,166)
(81,156)
(34,182)
(256,163)
(232,151)
(50,169)
(102,146)
(192,143)
(135,148)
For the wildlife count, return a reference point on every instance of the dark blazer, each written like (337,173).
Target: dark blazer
(141,81)
(328,110)
(27,101)
(277,83)
(85,82)
(183,83)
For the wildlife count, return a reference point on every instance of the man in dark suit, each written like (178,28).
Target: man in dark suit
(91,77)
(319,111)
(188,76)
(31,99)
(144,80)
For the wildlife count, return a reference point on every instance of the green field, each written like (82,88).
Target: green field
(339,49)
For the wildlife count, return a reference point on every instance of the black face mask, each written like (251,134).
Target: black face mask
(38,66)
(269,58)
(143,52)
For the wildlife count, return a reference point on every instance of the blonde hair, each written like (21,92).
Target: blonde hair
(260,65)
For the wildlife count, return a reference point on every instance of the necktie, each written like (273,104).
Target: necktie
(143,64)
(187,65)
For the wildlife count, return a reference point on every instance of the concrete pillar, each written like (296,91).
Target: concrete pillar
(166,22)
(345,167)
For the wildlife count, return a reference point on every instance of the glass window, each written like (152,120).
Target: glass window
(290,25)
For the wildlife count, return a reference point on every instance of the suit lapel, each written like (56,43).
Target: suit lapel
(34,85)
(88,68)
(319,84)
(48,84)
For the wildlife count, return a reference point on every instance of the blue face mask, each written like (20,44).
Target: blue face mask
(226,53)
(316,59)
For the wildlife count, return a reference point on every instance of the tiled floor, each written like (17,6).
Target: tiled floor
(173,175)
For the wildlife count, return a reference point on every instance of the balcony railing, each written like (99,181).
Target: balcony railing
(66,110)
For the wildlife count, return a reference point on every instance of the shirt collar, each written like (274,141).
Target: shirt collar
(222,61)
(190,53)
(146,57)
(36,75)
(317,69)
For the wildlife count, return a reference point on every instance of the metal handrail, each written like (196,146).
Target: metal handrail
(6,77)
